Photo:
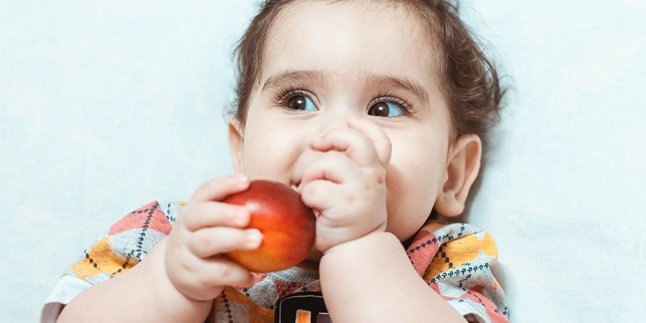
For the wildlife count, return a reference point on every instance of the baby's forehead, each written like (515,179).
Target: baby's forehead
(409,19)
(345,38)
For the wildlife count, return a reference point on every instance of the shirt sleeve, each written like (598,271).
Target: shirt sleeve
(126,243)
(456,261)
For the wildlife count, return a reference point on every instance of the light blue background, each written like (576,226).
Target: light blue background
(105,106)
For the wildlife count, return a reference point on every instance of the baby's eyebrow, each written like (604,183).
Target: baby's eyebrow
(289,77)
(373,80)
(398,82)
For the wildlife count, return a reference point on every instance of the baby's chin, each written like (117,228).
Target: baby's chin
(312,261)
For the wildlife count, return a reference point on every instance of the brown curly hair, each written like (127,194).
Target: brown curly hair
(469,79)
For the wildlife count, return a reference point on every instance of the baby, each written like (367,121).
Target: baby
(376,112)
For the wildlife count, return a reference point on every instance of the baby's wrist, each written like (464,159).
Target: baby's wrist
(380,229)
(365,243)
(167,294)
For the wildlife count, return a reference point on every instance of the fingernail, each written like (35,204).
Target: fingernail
(254,237)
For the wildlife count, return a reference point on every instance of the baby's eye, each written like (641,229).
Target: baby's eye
(386,109)
(301,102)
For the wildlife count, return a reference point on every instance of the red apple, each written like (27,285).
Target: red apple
(287,225)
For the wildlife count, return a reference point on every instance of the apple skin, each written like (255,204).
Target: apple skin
(288,226)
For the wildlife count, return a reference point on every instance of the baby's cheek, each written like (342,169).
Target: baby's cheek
(403,233)
(405,218)
(410,200)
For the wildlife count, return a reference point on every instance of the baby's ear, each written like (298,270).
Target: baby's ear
(236,143)
(463,165)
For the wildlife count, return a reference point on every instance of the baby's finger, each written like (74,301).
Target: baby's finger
(356,145)
(209,214)
(320,194)
(333,166)
(227,272)
(205,277)
(220,187)
(377,136)
(209,242)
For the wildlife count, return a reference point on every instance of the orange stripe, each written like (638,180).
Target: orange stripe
(303,316)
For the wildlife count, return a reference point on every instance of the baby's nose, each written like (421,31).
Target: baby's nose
(332,121)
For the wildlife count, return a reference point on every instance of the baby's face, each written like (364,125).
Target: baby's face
(336,60)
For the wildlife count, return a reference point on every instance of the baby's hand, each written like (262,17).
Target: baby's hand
(347,185)
(206,229)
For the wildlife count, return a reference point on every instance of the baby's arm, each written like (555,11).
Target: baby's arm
(366,275)
(371,279)
(142,294)
(181,276)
